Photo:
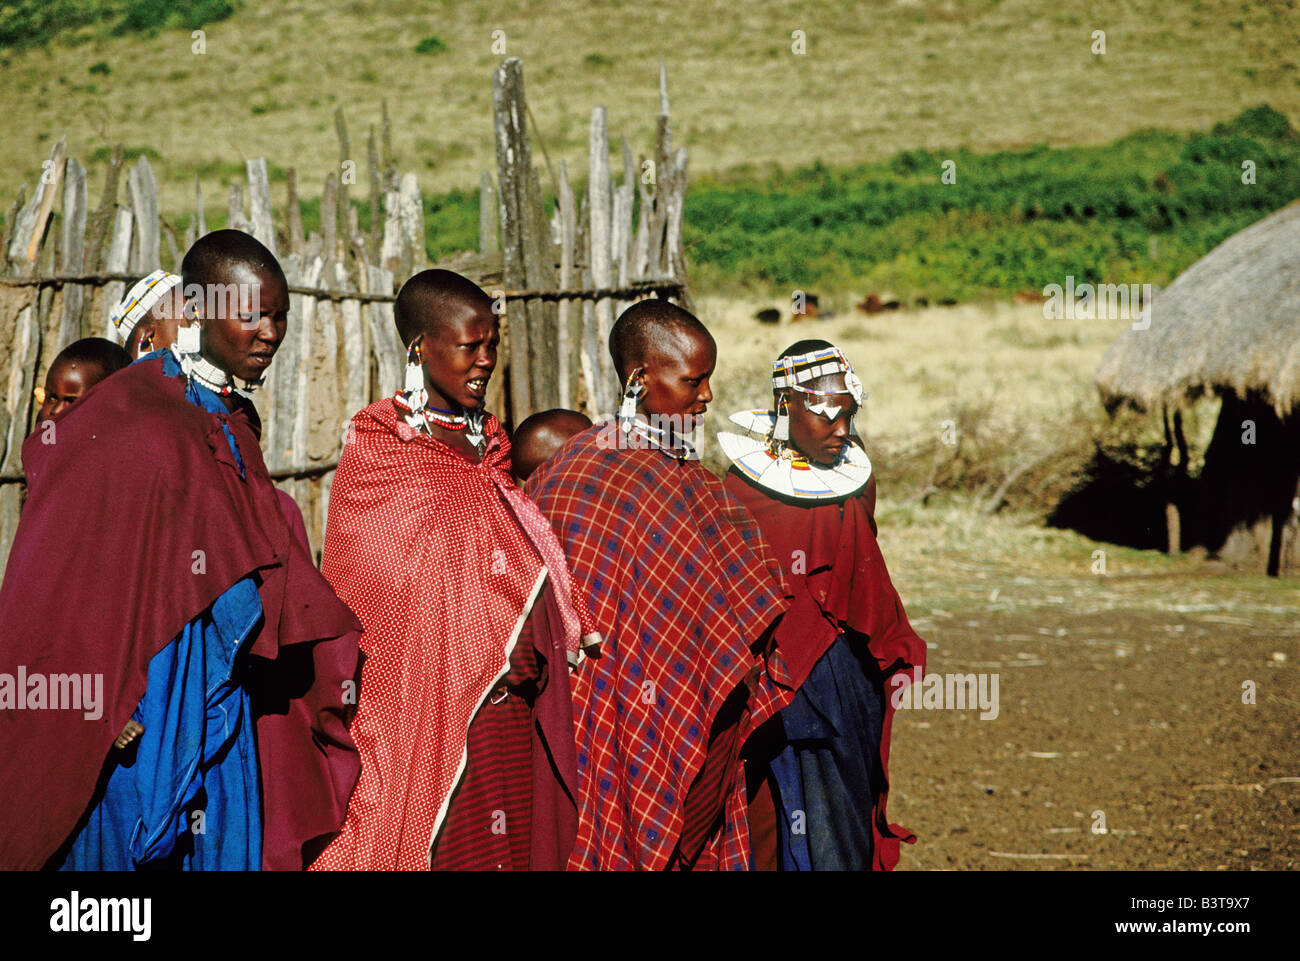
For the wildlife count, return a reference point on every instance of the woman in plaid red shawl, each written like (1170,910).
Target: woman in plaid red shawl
(468,614)
(684,592)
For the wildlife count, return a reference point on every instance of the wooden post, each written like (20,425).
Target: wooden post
(329,219)
(564,325)
(144,204)
(513,164)
(20,358)
(198,208)
(674,259)
(23,349)
(356,363)
(74,249)
(293,213)
(259,203)
(488,224)
(390,352)
(345,159)
(235,219)
(102,222)
(417,256)
(115,262)
(392,255)
(11,222)
(30,223)
(377,231)
(390,161)
(602,274)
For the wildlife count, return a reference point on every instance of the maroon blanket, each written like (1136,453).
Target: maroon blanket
(137,519)
(838,580)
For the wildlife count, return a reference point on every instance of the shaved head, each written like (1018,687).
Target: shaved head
(432,297)
(77,368)
(651,328)
(538,438)
(214,256)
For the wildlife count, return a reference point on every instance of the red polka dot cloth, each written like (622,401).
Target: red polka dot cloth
(682,586)
(441,559)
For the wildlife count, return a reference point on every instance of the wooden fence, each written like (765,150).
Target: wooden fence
(562,280)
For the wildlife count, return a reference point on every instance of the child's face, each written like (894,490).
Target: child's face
(812,434)
(64,384)
(677,381)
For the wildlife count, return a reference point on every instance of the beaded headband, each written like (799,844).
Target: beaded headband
(141,299)
(804,368)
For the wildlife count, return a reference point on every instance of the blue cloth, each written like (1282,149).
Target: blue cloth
(199,396)
(186,794)
(187,760)
(826,773)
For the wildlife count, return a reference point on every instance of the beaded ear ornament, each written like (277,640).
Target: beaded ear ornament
(632,390)
(412,402)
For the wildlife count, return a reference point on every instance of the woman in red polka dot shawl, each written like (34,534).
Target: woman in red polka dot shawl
(464,719)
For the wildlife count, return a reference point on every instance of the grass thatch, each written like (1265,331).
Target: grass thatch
(1230,322)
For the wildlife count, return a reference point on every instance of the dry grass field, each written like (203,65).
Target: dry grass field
(877,77)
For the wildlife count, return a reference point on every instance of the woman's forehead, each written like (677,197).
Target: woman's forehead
(465,325)
(687,351)
(830,383)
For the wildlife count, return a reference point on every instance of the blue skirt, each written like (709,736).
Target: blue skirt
(821,759)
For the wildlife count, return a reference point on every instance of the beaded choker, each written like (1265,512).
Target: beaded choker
(196,368)
(424,416)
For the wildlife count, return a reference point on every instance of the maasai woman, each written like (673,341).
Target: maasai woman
(817,772)
(685,595)
(187,602)
(470,622)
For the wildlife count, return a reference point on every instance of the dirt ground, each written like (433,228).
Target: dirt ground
(1119,693)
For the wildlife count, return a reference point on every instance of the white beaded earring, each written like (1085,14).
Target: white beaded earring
(781,429)
(627,409)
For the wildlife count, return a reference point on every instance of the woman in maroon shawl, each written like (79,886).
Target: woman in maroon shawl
(817,772)
(156,558)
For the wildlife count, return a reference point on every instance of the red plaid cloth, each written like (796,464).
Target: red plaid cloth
(681,585)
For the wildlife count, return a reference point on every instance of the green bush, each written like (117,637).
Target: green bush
(430,45)
(34,23)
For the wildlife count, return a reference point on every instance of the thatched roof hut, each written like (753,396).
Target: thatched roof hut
(1230,326)
(1229,323)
